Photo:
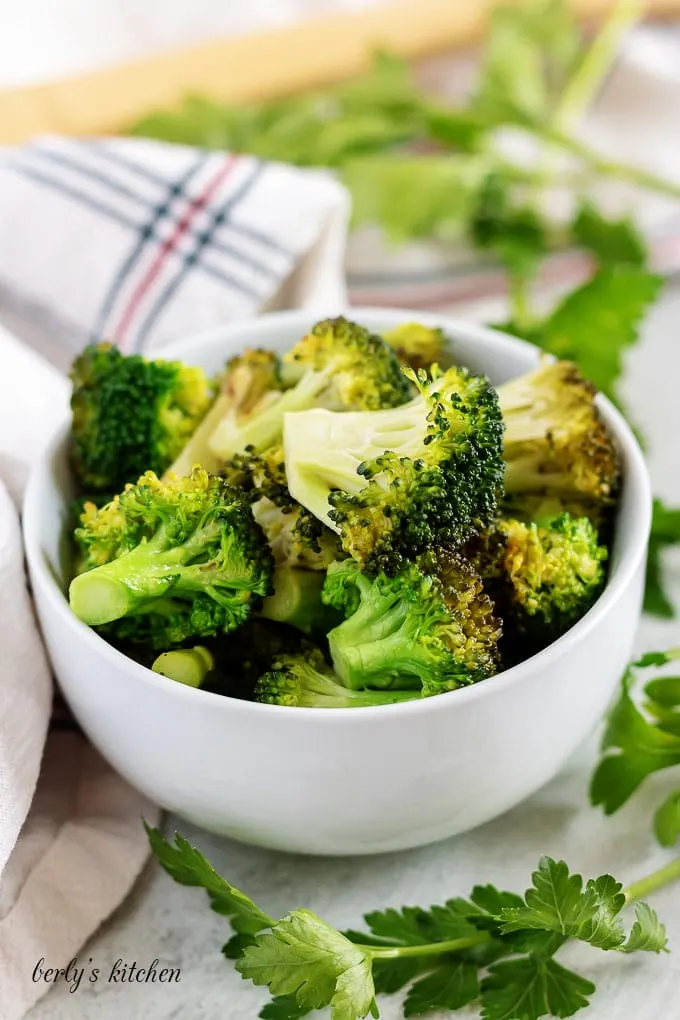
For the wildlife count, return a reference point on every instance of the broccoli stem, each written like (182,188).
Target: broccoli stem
(188,666)
(264,429)
(359,699)
(387,663)
(297,600)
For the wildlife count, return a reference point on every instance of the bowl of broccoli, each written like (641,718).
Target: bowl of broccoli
(236,546)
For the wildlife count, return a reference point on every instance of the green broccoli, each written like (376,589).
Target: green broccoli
(338,365)
(556,443)
(417,345)
(130,415)
(296,537)
(543,576)
(189,666)
(297,601)
(431,627)
(176,559)
(395,482)
(250,383)
(306,682)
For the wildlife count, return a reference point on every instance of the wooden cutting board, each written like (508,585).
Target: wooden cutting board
(260,66)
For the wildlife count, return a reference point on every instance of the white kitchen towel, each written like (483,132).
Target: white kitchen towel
(140,242)
(137,242)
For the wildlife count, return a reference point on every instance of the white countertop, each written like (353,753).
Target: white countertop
(174,924)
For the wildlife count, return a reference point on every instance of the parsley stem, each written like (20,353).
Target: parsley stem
(642,888)
(429,949)
(610,168)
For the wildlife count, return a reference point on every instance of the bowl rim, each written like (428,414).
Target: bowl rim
(617,581)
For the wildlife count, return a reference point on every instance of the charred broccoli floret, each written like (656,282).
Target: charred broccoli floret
(130,415)
(338,365)
(543,575)
(393,483)
(417,345)
(430,628)
(296,537)
(249,384)
(176,559)
(306,682)
(555,441)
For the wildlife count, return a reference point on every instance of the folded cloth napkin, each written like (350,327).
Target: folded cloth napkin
(136,242)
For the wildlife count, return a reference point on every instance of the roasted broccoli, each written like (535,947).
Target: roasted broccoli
(250,383)
(297,601)
(555,442)
(431,627)
(395,482)
(417,345)
(338,365)
(176,559)
(296,537)
(304,681)
(130,415)
(543,576)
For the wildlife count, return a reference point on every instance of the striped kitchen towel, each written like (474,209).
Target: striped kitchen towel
(140,242)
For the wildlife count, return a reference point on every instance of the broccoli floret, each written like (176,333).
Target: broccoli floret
(189,666)
(306,682)
(176,559)
(393,483)
(417,345)
(556,443)
(250,383)
(296,537)
(297,601)
(338,365)
(130,415)
(544,575)
(432,627)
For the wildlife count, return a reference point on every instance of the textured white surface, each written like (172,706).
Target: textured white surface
(174,924)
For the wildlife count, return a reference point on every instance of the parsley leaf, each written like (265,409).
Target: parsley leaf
(188,866)
(529,988)
(557,902)
(647,933)
(665,532)
(667,820)
(597,322)
(642,748)
(449,987)
(305,957)
(657,659)
(284,1007)
(611,242)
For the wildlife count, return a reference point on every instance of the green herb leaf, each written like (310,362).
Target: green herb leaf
(612,242)
(530,51)
(596,323)
(390,976)
(557,902)
(665,532)
(529,988)
(642,749)
(413,926)
(284,1007)
(188,866)
(657,659)
(412,197)
(667,820)
(647,933)
(448,987)
(305,957)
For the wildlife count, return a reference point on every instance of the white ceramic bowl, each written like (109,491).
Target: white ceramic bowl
(343,781)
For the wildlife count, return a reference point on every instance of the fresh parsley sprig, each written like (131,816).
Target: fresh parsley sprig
(639,741)
(496,948)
